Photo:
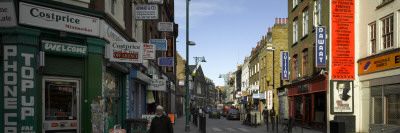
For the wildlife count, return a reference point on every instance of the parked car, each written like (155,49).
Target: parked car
(214,113)
(233,114)
(207,110)
(226,108)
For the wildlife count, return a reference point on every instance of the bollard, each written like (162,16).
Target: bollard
(205,123)
(277,121)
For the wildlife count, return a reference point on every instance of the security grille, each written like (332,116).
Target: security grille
(385,109)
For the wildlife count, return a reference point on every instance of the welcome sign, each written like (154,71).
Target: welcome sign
(40,16)
(64,48)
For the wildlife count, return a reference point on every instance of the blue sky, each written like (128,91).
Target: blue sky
(225,30)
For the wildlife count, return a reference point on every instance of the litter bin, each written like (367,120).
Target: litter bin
(337,126)
(136,125)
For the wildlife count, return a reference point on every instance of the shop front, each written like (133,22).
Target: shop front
(307,102)
(380,92)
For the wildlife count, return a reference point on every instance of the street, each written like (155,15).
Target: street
(215,125)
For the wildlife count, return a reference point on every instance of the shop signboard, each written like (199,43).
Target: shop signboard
(148,118)
(64,48)
(109,33)
(263,95)
(379,63)
(285,65)
(269,100)
(149,51)
(130,52)
(158,85)
(146,12)
(170,53)
(342,36)
(18,101)
(166,61)
(51,18)
(320,50)
(342,96)
(256,96)
(245,93)
(7,14)
(161,44)
(165,26)
(156,1)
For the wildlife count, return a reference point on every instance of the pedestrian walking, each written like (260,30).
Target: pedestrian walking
(265,114)
(161,123)
(272,116)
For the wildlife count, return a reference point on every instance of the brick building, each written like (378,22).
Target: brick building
(307,87)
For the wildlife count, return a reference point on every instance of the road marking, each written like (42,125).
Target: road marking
(217,129)
(230,129)
(244,130)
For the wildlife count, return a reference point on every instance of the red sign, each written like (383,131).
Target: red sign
(342,39)
(126,55)
(170,52)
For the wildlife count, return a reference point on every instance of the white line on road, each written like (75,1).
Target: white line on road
(217,129)
(244,130)
(230,129)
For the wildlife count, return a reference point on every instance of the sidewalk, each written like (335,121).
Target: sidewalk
(296,129)
(180,124)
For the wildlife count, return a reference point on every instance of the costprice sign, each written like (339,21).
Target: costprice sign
(320,52)
(50,18)
(130,52)
(146,12)
(342,39)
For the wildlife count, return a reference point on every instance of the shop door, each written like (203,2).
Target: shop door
(307,109)
(61,105)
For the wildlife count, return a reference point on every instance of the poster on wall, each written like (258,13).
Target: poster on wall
(342,40)
(130,52)
(342,99)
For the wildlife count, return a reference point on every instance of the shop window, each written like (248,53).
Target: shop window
(305,62)
(112,99)
(295,67)
(305,21)
(61,100)
(385,105)
(372,36)
(387,32)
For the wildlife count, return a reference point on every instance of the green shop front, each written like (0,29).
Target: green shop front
(56,79)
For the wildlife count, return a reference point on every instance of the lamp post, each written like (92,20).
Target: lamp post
(187,127)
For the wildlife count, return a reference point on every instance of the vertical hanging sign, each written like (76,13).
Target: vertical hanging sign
(320,47)
(170,52)
(342,39)
(285,65)
(19,95)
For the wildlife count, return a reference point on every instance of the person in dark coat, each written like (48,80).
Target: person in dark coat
(272,115)
(265,114)
(161,123)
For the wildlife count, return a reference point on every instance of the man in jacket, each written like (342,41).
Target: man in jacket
(265,113)
(161,123)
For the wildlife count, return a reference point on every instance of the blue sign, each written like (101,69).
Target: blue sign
(285,65)
(166,61)
(161,44)
(320,52)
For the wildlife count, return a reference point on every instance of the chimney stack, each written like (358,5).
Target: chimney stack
(269,29)
(283,20)
(287,19)
(280,21)
(276,20)
(262,37)
(258,44)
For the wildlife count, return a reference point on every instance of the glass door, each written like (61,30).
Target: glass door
(61,108)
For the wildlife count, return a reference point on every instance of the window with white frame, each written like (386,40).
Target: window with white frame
(295,3)
(305,21)
(317,13)
(295,30)
(387,32)
(372,37)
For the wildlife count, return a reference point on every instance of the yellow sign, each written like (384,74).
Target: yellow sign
(379,63)
(245,93)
